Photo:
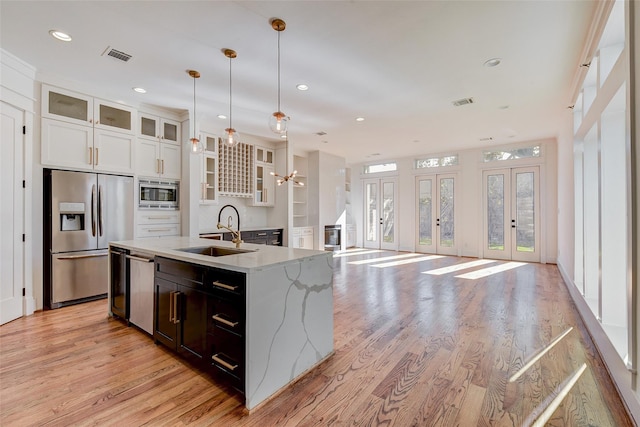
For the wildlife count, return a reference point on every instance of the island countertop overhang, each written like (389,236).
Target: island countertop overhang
(257,258)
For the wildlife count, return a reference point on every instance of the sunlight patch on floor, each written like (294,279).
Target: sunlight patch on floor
(478,274)
(406,261)
(361,252)
(386,258)
(458,267)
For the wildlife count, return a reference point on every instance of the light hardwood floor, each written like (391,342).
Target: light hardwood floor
(411,349)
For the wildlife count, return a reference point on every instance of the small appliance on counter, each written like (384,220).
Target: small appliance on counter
(83,212)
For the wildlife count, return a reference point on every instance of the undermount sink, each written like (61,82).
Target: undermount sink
(215,251)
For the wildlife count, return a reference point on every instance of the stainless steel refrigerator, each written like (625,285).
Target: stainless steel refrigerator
(83,212)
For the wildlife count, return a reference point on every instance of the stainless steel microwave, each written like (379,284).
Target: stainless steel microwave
(158,194)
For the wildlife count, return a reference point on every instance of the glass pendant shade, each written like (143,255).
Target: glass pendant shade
(232,137)
(278,123)
(194,144)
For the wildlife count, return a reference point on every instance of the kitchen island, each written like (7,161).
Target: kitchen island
(261,317)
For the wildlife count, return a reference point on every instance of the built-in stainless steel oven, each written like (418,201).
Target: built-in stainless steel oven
(158,194)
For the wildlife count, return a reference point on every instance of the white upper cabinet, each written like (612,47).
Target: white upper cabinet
(263,180)
(158,128)
(264,155)
(72,107)
(86,133)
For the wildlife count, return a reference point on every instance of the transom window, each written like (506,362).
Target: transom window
(381,167)
(516,153)
(435,162)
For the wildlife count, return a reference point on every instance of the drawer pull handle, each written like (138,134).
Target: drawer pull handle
(223,363)
(225,321)
(225,286)
(261,234)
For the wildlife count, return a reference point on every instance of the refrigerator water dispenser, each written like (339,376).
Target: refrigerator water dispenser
(71,216)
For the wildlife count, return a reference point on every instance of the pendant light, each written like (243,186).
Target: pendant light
(291,177)
(232,135)
(278,121)
(195,146)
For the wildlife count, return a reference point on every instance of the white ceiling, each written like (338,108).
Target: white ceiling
(399,64)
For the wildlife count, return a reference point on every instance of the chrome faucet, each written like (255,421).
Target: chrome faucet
(236,234)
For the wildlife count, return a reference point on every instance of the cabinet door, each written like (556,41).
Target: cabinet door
(170,160)
(170,131)
(149,127)
(67,145)
(113,116)
(114,151)
(264,193)
(67,106)
(165,330)
(193,322)
(147,157)
(209,179)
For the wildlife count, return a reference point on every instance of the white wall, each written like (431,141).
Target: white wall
(326,197)
(468,209)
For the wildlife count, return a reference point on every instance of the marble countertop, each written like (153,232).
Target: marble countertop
(259,257)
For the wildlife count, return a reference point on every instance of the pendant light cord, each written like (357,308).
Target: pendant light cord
(194,107)
(230,96)
(278,70)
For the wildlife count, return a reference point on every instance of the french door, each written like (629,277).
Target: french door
(512,214)
(380,226)
(435,214)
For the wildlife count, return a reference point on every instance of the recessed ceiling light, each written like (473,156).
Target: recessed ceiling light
(221,116)
(302,86)
(359,119)
(140,89)
(493,62)
(60,35)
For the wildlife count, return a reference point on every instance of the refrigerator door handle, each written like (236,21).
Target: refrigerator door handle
(100,212)
(93,210)
(82,256)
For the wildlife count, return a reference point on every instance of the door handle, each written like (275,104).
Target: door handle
(84,256)
(90,156)
(437,222)
(171,298)
(137,258)
(100,211)
(93,210)
(217,318)
(513,223)
(96,156)
(162,166)
(176,308)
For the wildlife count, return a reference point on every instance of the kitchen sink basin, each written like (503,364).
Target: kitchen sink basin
(215,251)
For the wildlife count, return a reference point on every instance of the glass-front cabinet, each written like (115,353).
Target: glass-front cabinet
(209,170)
(264,180)
(86,133)
(158,128)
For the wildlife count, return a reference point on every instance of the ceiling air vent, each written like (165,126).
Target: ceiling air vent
(463,101)
(116,54)
(321,133)
(489,138)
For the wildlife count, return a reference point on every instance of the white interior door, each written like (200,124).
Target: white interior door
(435,214)
(380,214)
(512,214)
(11,223)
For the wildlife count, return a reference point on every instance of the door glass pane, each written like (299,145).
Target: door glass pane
(371,199)
(68,106)
(170,132)
(425,200)
(495,212)
(147,126)
(387,212)
(115,117)
(525,230)
(447,228)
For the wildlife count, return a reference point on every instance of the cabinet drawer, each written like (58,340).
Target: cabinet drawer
(226,284)
(179,272)
(154,217)
(227,352)
(158,230)
(225,314)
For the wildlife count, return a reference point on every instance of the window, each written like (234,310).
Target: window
(381,167)
(434,162)
(516,153)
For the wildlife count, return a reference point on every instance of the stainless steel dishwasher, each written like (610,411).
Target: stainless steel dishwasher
(141,290)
